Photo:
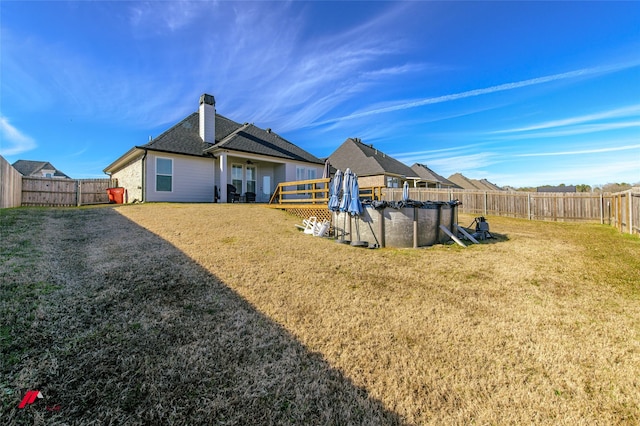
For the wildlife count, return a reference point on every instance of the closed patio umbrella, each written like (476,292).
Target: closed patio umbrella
(346,190)
(346,198)
(326,173)
(334,196)
(405,191)
(336,185)
(355,209)
(355,206)
(327,169)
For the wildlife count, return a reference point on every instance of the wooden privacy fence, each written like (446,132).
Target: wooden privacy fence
(10,185)
(65,192)
(529,205)
(624,211)
(620,209)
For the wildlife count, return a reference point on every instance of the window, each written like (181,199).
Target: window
(393,182)
(311,174)
(164,174)
(300,175)
(236,177)
(251,179)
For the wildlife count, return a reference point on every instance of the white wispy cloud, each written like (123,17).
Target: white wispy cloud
(46,75)
(173,15)
(293,80)
(441,152)
(272,75)
(581,152)
(14,142)
(572,173)
(572,130)
(463,163)
(584,72)
(629,111)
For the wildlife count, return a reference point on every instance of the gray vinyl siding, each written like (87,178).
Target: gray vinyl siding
(192,179)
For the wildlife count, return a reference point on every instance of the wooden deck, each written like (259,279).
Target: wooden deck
(307,198)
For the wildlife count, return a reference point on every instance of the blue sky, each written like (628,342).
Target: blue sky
(519,93)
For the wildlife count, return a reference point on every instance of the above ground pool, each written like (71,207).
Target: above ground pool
(399,224)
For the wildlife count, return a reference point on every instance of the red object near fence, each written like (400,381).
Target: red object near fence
(116,195)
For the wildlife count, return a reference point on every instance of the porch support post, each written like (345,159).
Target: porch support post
(222,158)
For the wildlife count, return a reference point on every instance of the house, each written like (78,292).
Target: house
(430,179)
(196,160)
(473,184)
(373,167)
(38,169)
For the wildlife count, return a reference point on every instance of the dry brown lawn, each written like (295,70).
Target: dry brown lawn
(228,314)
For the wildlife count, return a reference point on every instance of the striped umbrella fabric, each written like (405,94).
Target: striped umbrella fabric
(336,185)
(346,190)
(355,206)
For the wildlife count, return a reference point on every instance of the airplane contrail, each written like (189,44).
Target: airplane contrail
(488,90)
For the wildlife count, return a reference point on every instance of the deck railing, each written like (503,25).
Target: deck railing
(316,191)
(372,192)
(312,191)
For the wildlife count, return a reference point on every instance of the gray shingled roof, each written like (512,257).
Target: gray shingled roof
(466,183)
(29,167)
(254,140)
(426,174)
(490,185)
(184,137)
(462,181)
(365,160)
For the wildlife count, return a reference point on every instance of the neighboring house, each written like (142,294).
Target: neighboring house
(430,179)
(38,169)
(197,158)
(373,167)
(474,184)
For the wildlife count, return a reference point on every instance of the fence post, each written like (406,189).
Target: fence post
(485,203)
(630,220)
(601,209)
(78,193)
(619,211)
(529,205)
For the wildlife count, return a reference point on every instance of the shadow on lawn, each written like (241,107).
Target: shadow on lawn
(138,333)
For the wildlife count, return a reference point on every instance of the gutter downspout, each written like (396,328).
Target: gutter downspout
(144,174)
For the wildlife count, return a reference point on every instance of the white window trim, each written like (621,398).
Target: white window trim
(162,174)
(301,174)
(255,177)
(241,189)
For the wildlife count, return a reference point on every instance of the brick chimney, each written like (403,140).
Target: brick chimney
(207,112)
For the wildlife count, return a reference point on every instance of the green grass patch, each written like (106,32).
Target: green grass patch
(21,292)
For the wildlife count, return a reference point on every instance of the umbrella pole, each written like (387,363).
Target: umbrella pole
(333,223)
(345,225)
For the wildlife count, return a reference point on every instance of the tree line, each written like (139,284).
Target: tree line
(608,187)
